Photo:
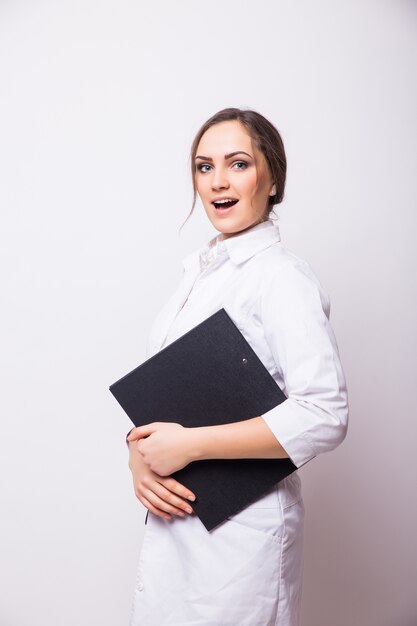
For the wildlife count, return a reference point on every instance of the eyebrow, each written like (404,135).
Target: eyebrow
(226,156)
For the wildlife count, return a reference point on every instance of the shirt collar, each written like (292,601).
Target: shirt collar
(240,247)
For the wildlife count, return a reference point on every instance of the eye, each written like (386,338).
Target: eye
(241,163)
(201,165)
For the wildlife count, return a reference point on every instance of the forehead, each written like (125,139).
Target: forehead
(223,138)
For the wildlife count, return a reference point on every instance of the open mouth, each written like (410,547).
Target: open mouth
(225,205)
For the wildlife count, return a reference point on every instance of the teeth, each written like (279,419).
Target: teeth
(223,201)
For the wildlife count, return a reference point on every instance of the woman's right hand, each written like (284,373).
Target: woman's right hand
(162,495)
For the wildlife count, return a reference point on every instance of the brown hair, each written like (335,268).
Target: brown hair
(265,137)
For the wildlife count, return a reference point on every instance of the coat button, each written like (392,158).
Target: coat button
(140,586)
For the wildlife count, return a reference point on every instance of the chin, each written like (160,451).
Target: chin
(232,226)
(227,229)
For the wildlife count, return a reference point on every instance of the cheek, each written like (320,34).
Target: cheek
(246,185)
(202,187)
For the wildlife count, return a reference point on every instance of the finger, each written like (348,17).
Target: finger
(133,435)
(168,496)
(141,431)
(163,501)
(153,508)
(176,487)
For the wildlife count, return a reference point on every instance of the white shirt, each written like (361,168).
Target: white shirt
(248,570)
(279,305)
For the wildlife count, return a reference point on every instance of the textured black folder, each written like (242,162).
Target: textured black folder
(210,375)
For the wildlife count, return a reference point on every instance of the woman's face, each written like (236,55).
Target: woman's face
(225,169)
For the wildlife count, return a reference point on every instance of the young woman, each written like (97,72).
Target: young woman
(248,570)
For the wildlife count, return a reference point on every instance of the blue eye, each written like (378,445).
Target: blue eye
(200,166)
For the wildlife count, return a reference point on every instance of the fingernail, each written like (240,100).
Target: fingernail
(188,509)
(191,498)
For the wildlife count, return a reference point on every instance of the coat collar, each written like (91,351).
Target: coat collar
(240,247)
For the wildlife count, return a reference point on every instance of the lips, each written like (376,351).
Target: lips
(224,205)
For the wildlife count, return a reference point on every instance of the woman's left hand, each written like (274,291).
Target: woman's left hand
(165,446)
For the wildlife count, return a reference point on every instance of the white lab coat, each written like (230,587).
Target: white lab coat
(248,570)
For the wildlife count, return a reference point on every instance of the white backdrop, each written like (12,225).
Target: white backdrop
(99,103)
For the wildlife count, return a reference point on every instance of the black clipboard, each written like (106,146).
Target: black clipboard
(210,375)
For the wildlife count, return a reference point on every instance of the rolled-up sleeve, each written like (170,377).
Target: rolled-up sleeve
(295,310)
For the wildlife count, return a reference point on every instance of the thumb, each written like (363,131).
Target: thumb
(141,431)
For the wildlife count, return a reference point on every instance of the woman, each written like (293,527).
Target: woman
(248,570)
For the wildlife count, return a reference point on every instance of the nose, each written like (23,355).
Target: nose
(219,180)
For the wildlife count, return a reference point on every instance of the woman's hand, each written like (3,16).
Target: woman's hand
(165,446)
(162,495)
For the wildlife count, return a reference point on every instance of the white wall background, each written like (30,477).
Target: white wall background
(99,103)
